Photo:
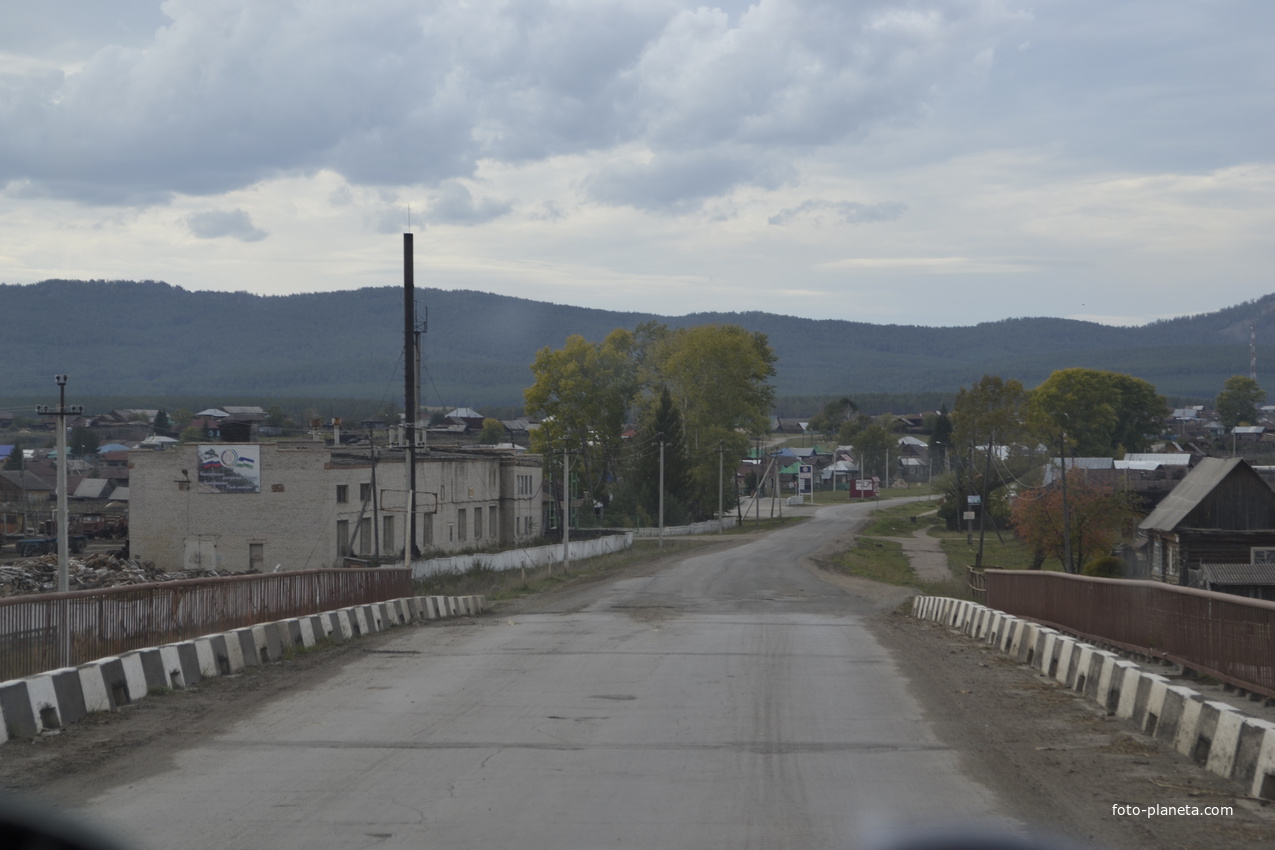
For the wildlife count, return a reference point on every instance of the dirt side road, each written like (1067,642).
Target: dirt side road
(1058,760)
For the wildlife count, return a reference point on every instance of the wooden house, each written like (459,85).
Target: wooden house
(1221,512)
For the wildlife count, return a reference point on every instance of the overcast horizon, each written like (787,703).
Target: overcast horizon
(916,163)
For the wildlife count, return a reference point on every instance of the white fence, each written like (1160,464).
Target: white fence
(513,559)
(708,527)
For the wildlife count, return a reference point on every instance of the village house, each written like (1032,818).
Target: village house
(307,505)
(1221,512)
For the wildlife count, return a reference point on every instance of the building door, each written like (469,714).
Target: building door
(256,556)
(200,553)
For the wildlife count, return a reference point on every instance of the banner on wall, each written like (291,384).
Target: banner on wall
(229,469)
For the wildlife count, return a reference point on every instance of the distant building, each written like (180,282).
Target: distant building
(305,505)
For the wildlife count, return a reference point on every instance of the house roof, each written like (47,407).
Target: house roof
(92,488)
(465,413)
(1160,458)
(1190,492)
(1230,574)
(26,480)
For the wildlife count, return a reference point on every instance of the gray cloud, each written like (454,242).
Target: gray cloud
(216,224)
(453,203)
(398,93)
(680,181)
(845,212)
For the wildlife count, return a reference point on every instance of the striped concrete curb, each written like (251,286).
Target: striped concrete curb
(1216,736)
(56,699)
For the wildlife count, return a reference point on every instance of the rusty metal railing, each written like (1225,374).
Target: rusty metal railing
(1230,638)
(976,581)
(108,622)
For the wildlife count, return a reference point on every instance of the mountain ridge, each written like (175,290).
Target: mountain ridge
(151,337)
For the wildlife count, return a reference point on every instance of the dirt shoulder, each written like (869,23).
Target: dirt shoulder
(1059,760)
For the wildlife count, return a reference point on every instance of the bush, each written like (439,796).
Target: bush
(1108,566)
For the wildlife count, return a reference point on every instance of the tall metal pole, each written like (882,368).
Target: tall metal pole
(721,459)
(661,494)
(566,509)
(409,394)
(1062,460)
(63,533)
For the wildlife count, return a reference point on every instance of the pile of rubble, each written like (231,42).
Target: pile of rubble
(40,575)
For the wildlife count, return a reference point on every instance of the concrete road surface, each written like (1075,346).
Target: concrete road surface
(730,701)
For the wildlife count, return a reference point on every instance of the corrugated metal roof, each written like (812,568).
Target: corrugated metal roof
(1227,574)
(1162,458)
(1191,490)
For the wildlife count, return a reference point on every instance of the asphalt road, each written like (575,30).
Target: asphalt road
(732,700)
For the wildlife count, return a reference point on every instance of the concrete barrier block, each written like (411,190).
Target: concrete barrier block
(1068,651)
(205,658)
(115,677)
(44,702)
(213,660)
(1226,740)
(1189,725)
(1046,643)
(1111,681)
(233,649)
(1249,751)
(290,630)
(69,695)
(358,621)
(97,696)
(341,620)
(1263,784)
(172,668)
(191,670)
(380,615)
(16,707)
(247,638)
(1147,682)
(144,669)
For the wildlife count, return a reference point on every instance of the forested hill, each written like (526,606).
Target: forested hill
(146,338)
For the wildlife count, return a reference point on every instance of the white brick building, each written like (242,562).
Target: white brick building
(305,505)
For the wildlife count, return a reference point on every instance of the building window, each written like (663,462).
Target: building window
(256,556)
(365,492)
(524,485)
(461,524)
(342,537)
(427,530)
(342,494)
(478,523)
(365,536)
(491,521)
(1263,555)
(387,533)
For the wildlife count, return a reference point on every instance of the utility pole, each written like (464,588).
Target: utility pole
(409,394)
(64,535)
(721,458)
(982,502)
(661,491)
(566,509)
(1062,460)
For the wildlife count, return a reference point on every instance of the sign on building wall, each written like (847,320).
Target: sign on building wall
(229,469)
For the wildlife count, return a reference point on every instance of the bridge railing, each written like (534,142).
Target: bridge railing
(1231,638)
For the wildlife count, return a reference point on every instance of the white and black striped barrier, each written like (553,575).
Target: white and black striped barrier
(56,699)
(1217,736)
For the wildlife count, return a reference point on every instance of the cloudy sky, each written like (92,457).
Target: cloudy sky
(938,162)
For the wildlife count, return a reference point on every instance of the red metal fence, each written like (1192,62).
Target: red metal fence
(1229,637)
(108,622)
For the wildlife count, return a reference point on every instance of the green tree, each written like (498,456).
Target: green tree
(663,424)
(718,378)
(941,438)
(872,447)
(493,432)
(162,423)
(16,459)
(1102,414)
(582,392)
(993,411)
(1238,401)
(829,420)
